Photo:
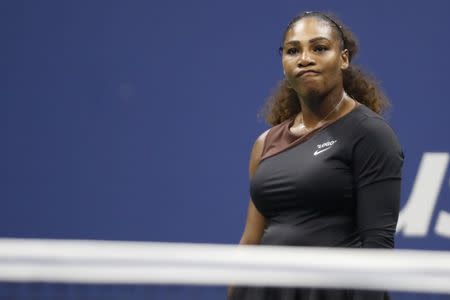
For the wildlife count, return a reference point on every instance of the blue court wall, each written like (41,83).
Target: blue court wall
(134,120)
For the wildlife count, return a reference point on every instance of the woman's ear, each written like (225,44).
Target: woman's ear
(345,61)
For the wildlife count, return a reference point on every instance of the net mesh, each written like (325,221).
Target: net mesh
(52,291)
(61,291)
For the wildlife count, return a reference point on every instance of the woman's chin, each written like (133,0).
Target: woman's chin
(309,92)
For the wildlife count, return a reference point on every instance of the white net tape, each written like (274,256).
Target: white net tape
(74,261)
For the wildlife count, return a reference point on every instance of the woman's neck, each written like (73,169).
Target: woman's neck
(317,108)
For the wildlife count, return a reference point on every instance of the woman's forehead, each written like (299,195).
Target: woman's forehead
(310,28)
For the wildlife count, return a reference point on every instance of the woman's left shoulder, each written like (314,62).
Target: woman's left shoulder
(372,124)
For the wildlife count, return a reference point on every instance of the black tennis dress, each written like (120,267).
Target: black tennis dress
(337,186)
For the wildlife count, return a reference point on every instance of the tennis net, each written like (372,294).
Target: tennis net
(77,269)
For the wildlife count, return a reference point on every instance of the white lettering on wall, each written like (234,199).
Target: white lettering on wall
(443,223)
(415,217)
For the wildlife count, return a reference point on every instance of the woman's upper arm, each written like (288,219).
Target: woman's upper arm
(255,223)
(377,164)
(256,153)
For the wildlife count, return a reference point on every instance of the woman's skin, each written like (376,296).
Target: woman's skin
(255,223)
(311,44)
(254,226)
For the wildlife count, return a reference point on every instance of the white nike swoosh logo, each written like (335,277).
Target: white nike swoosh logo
(317,152)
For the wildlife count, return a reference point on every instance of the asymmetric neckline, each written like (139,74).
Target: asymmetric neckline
(291,122)
(281,138)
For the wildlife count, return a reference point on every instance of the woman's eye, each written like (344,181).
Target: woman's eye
(320,49)
(292,51)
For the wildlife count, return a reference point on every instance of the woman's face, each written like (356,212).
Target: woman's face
(312,58)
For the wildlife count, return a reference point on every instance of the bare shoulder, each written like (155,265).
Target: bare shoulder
(257,151)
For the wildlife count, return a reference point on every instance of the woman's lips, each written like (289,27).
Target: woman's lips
(307,73)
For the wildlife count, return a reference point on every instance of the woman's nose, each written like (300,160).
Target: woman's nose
(305,59)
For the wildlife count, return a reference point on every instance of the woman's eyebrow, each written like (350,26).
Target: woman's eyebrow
(293,42)
(296,42)
(318,39)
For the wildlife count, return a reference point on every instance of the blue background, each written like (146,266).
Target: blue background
(134,120)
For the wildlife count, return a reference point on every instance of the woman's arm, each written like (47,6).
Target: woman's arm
(377,165)
(255,223)
(377,213)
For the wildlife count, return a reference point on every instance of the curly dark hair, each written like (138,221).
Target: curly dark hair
(284,103)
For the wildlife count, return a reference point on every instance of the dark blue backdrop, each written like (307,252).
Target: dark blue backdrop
(134,120)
